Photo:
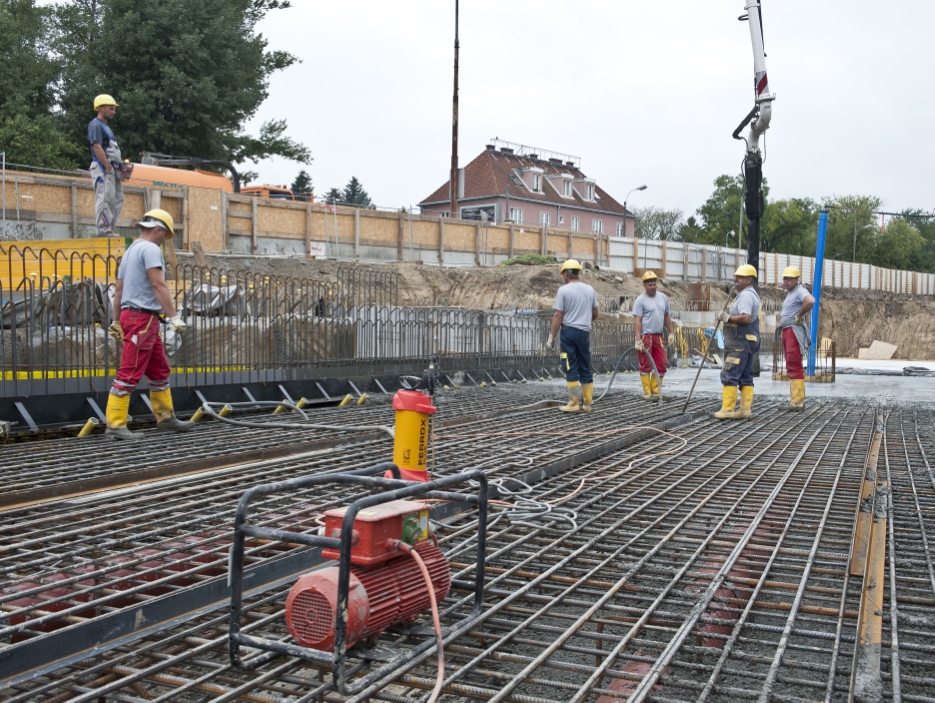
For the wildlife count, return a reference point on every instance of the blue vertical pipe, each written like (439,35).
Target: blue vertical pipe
(816,290)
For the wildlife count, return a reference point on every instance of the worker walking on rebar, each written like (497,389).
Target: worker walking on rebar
(651,319)
(139,300)
(106,164)
(575,309)
(795,336)
(741,342)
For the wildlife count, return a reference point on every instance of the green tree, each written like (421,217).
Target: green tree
(720,213)
(354,194)
(188,75)
(925,224)
(29,133)
(898,245)
(690,231)
(790,226)
(302,186)
(853,228)
(37,142)
(658,223)
(334,196)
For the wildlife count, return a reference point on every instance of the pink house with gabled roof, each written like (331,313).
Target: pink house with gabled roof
(528,186)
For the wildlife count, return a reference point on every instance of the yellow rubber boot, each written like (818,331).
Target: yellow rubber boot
(118,406)
(797,393)
(165,414)
(746,404)
(587,396)
(573,403)
(654,388)
(647,386)
(728,401)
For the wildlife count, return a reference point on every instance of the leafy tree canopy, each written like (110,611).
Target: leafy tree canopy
(188,74)
(658,223)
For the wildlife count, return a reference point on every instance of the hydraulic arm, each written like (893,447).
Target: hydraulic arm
(757,122)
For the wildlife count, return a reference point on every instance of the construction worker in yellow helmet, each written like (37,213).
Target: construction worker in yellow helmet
(795,334)
(106,170)
(140,298)
(575,309)
(651,319)
(741,342)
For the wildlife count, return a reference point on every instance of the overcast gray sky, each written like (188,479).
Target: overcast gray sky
(644,92)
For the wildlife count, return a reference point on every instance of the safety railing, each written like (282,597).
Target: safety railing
(246,327)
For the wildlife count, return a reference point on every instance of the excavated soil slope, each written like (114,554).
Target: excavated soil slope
(852,318)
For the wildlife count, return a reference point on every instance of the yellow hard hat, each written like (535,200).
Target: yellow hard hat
(746,270)
(102,100)
(650,276)
(571,264)
(158,218)
(790,272)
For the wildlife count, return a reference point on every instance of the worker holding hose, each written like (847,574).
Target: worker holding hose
(741,341)
(140,299)
(651,319)
(575,309)
(795,337)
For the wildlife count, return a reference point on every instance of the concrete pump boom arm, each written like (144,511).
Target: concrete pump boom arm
(763,110)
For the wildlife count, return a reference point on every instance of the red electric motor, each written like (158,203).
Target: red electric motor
(386,586)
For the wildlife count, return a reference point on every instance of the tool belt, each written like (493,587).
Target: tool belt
(157,313)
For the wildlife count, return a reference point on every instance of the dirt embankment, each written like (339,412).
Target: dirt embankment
(852,318)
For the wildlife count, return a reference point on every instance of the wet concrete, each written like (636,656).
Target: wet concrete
(888,390)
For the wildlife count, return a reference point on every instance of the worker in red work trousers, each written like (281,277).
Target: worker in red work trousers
(795,337)
(651,319)
(140,299)
(575,309)
(741,341)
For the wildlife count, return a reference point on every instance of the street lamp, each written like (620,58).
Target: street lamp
(625,209)
(643,187)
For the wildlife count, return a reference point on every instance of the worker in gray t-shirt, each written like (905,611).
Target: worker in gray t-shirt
(795,337)
(651,318)
(141,297)
(575,309)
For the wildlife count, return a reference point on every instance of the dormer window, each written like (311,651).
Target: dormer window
(589,190)
(567,188)
(536,183)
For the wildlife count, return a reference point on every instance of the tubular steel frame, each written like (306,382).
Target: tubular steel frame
(393,490)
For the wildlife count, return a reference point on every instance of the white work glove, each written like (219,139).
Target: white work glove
(550,342)
(799,319)
(115,331)
(639,345)
(723,317)
(178,324)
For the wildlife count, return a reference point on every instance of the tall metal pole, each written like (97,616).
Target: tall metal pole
(454,130)
(816,289)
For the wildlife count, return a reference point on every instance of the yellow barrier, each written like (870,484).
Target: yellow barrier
(22,263)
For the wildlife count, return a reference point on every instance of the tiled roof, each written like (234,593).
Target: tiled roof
(488,175)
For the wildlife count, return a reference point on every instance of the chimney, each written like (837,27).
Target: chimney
(534,157)
(555,162)
(570,163)
(491,147)
(507,151)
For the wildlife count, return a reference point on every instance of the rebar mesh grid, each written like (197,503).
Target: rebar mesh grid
(706,565)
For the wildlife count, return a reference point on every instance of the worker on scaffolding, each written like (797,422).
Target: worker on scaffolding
(795,337)
(651,319)
(575,309)
(140,299)
(741,341)
(106,166)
